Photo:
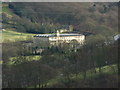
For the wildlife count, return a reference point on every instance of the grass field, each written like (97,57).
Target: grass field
(12,36)
(29,58)
(9,35)
(105,70)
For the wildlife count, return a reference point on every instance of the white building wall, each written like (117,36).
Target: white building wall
(80,39)
(46,41)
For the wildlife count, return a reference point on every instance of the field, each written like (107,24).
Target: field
(29,58)
(12,36)
(107,70)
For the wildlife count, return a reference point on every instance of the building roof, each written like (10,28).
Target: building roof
(116,37)
(54,35)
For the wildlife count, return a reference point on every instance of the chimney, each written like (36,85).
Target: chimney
(58,34)
(70,28)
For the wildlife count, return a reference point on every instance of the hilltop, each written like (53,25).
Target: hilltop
(96,18)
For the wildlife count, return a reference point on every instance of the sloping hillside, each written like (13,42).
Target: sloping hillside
(97,18)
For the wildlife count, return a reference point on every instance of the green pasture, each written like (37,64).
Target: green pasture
(109,69)
(28,58)
(12,36)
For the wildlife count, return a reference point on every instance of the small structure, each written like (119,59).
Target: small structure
(65,28)
(116,37)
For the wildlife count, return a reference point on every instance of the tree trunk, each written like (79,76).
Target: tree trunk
(68,78)
(100,70)
(42,86)
(46,85)
(76,75)
(39,84)
(95,71)
(84,74)
(35,52)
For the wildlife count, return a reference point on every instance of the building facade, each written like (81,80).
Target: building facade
(56,39)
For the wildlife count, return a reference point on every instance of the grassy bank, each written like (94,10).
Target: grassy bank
(106,70)
(12,36)
(28,58)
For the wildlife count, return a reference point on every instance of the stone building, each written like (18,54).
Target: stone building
(46,40)
(65,28)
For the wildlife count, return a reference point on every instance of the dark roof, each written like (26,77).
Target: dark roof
(54,35)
